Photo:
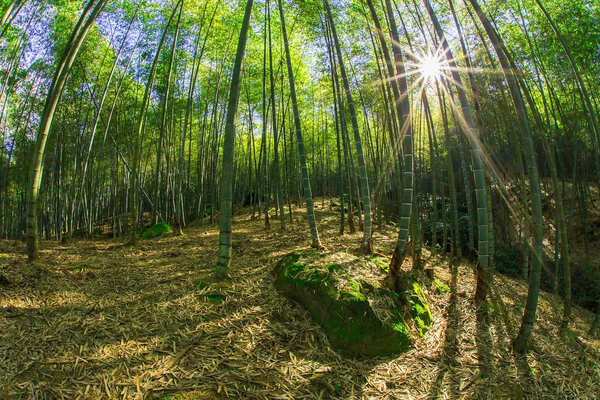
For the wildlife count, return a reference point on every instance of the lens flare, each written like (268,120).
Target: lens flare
(430,67)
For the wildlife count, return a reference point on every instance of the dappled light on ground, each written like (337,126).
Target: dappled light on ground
(96,319)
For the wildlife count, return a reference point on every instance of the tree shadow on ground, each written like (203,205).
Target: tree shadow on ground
(142,325)
(506,331)
(449,355)
(333,376)
(477,375)
(495,379)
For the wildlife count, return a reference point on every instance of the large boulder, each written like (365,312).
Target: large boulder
(344,310)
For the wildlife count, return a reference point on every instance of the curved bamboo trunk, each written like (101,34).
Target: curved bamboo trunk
(522,340)
(228,146)
(139,131)
(276,172)
(164,125)
(367,243)
(82,28)
(406,133)
(340,174)
(594,133)
(310,211)
(349,165)
(470,130)
(13,8)
(561,222)
(263,143)
(101,106)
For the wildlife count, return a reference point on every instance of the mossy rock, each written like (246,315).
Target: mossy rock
(157,231)
(346,316)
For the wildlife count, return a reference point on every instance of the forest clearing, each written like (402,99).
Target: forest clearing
(300,199)
(106,321)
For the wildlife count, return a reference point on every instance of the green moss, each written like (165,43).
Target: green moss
(352,295)
(369,285)
(383,266)
(421,312)
(312,253)
(294,269)
(441,286)
(200,285)
(399,326)
(334,268)
(492,308)
(216,298)
(289,259)
(157,230)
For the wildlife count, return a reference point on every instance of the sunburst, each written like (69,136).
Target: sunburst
(430,67)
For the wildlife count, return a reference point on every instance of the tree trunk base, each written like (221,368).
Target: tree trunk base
(564,328)
(520,345)
(316,244)
(351,226)
(482,289)
(393,280)
(367,248)
(132,241)
(564,325)
(417,261)
(220,273)
(594,328)
(33,250)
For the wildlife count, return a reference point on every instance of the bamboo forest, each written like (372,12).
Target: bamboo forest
(300,199)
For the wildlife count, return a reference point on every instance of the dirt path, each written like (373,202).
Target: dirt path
(105,321)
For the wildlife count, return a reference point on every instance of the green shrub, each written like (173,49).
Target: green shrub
(157,231)
(507,260)
(585,284)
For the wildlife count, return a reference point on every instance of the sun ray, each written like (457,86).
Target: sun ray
(431,67)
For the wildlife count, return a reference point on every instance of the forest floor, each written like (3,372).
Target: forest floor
(95,319)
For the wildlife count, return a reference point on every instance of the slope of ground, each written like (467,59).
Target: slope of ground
(98,320)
